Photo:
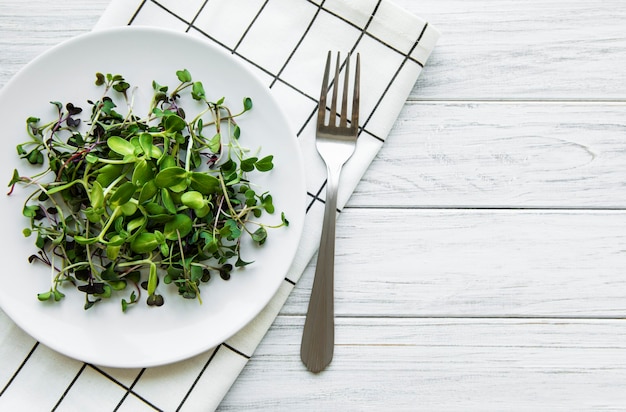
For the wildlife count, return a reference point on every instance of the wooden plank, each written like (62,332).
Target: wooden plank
(467,263)
(484,154)
(29,28)
(489,49)
(534,49)
(441,364)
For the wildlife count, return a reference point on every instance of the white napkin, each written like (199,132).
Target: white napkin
(285,42)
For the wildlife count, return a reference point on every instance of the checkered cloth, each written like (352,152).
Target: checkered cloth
(285,42)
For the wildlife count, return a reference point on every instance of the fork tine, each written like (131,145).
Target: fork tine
(321,111)
(356,93)
(333,105)
(343,120)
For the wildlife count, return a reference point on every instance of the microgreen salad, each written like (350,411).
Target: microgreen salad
(126,203)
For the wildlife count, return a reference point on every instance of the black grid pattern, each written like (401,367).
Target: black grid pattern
(127,385)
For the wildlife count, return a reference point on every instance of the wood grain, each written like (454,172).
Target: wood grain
(476,263)
(495,50)
(441,365)
(536,49)
(26,32)
(514,154)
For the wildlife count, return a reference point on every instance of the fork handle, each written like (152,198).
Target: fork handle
(318,337)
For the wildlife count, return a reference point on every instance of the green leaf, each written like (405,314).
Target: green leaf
(197,91)
(171,176)
(247,165)
(196,160)
(259,235)
(183,75)
(117,239)
(265,164)
(203,211)
(165,249)
(193,199)
(154,209)
(118,284)
(229,172)
(195,273)
(35,157)
(210,246)
(91,158)
(251,198)
(145,242)
(205,183)
(121,146)
(30,210)
(215,144)
(15,178)
(94,215)
(267,203)
(106,291)
(129,208)
(167,161)
(136,223)
(241,263)
(160,237)
(108,106)
(152,280)
(81,240)
(181,225)
(108,173)
(168,202)
(158,88)
(45,296)
(173,124)
(146,144)
(57,295)
(143,173)
(247,104)
(121,87)
(148,191)
(96,195)
(112,252)
(180,187)
(230,230)
(123,194)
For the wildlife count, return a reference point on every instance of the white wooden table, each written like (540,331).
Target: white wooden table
(481,262)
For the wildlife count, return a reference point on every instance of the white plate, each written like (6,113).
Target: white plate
(144,336)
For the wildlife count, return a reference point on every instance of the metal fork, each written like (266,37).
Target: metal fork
(335,144)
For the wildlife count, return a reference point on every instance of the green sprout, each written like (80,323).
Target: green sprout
(135,202)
